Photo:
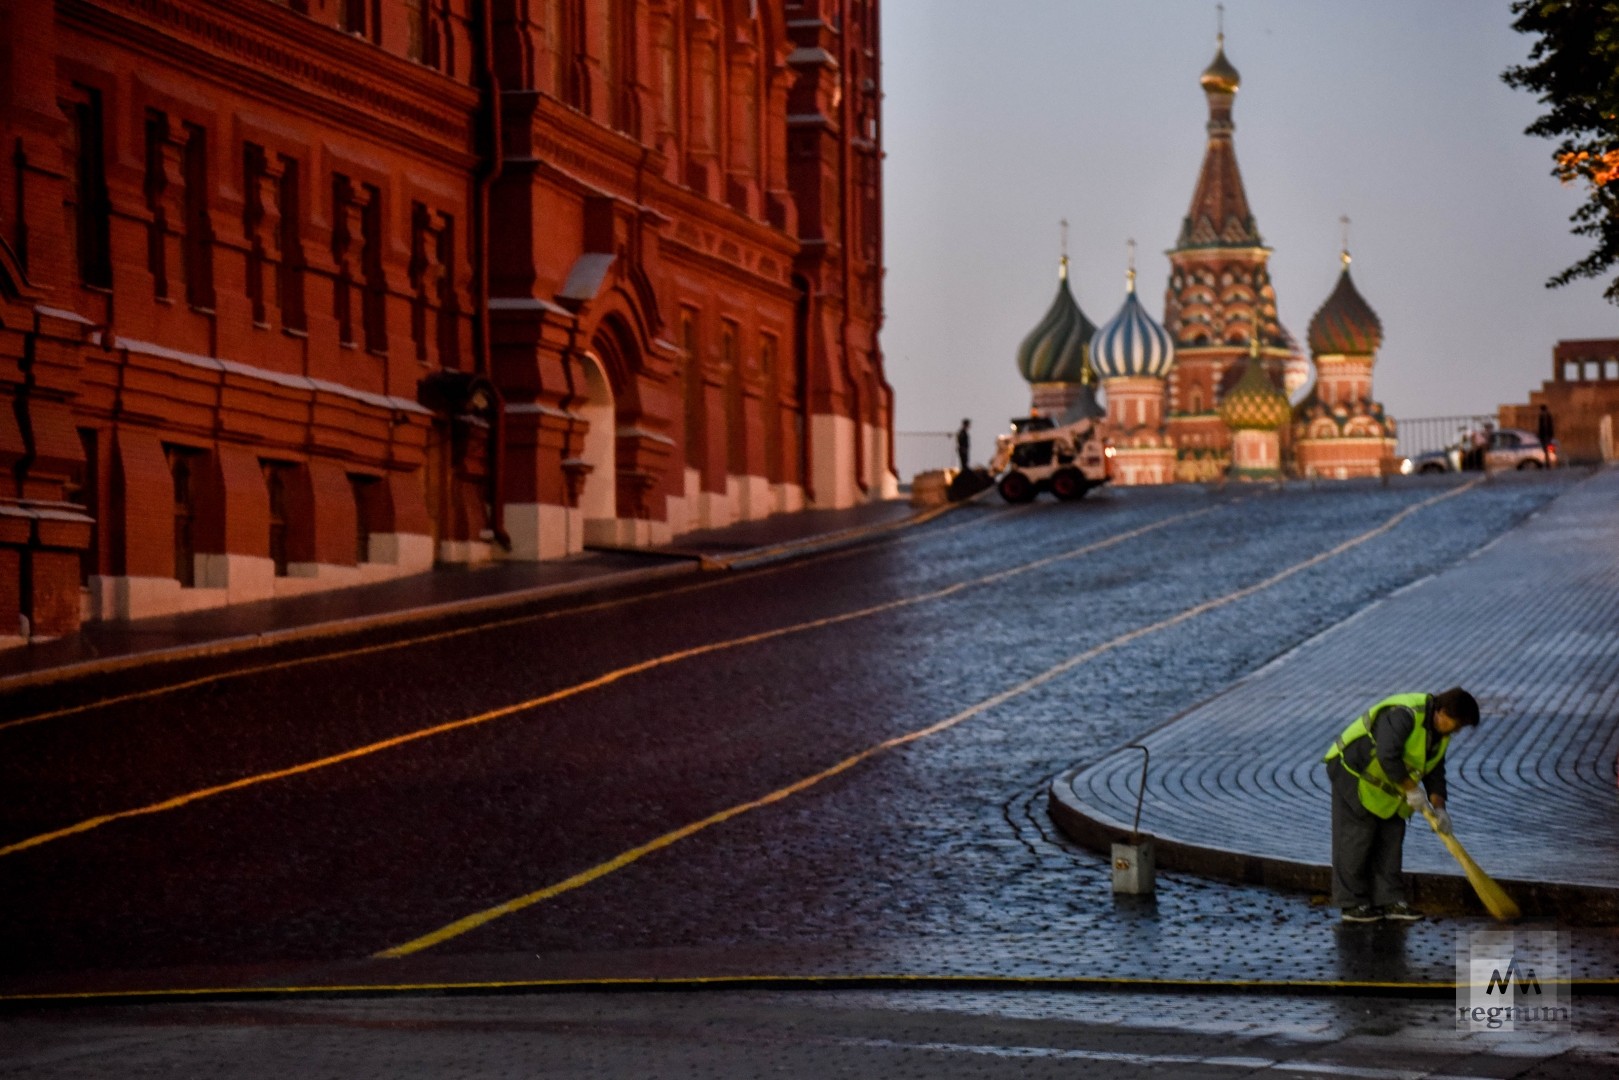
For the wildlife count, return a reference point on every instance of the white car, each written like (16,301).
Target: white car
(1509,448)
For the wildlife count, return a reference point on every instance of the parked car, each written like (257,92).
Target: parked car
(1509,448)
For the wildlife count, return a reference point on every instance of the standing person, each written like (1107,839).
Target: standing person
(1544,427)
(1476,442)
(964,442)
(1378,768)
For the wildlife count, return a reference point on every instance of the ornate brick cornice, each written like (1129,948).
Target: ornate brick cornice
(266,48)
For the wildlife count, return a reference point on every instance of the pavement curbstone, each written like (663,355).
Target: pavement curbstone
(1528,621)
(690,563)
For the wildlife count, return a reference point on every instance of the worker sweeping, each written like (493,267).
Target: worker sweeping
(1379,768)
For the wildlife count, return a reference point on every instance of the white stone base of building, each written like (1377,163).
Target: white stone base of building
(788,498)
(1344,458)
(465,552)
(750,497)
(626,532)
(223,580)
(1139,465)
(836,480)
(543,531)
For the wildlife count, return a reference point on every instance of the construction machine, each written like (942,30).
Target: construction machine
(1037,455)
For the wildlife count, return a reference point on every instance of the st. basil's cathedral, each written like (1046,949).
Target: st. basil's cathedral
(1220,387)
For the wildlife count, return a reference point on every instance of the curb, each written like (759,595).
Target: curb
(361,623)
(1447,894)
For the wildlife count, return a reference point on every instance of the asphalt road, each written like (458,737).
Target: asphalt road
(829,766)
(855,1035)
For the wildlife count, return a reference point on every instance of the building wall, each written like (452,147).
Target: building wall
(703,187)
(1583,389)
(244,318)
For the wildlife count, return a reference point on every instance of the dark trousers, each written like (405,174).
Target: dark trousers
(1366,849)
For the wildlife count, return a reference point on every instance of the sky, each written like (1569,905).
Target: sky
(1002,117)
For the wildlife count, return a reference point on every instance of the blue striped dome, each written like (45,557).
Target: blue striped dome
(1131,344)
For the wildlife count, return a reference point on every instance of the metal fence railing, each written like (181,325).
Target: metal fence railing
(1425,433)
(919,451)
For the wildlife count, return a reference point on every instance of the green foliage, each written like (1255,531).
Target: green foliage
(1574,68)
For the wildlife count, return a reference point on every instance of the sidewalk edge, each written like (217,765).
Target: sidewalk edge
(361,623)
(1568,902)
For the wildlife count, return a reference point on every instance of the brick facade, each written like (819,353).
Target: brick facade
(1582,396)
(308,293)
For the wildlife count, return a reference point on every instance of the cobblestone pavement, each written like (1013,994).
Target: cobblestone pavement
(1030,630)
(811,1036)
(1530,624)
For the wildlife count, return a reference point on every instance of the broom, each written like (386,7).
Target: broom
(1494,896)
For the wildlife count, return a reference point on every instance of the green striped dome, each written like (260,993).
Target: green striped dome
(1058,348)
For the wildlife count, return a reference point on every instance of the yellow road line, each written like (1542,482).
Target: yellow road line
(578,688)
(618,862)
(425,639)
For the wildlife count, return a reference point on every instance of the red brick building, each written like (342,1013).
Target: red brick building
(303,294)
(1582,396)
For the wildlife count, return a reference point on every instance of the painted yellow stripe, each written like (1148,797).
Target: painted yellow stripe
(618,862)
(784,981)
(482,627)
(578,688)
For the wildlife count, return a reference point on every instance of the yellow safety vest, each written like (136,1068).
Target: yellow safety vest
(1378,793)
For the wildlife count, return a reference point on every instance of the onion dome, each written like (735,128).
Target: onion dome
(1132,344)
(1056,350)
(1255,404)
(1345,323)
(1220,77)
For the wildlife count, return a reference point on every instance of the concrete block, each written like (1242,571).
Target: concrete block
(1135,869)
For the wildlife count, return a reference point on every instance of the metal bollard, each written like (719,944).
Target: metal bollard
(1135,868)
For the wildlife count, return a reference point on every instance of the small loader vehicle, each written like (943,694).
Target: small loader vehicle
(1040,456)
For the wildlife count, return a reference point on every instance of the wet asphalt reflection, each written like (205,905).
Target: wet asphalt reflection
(934,856)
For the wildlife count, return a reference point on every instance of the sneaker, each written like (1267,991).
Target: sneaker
(1402,913)
(1361,913)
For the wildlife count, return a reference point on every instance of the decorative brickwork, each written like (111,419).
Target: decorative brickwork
(403,277)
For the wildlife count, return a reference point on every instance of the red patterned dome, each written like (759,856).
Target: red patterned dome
(1346,323)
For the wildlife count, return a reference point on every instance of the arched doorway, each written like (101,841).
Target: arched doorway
(598,497)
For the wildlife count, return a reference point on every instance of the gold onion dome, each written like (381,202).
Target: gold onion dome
(1346,323)
(1057,350)
(1255,404)
(1220,76)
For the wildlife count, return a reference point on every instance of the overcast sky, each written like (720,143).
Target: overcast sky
(1003,116)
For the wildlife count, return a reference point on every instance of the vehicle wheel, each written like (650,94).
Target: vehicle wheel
(1069,484)
(1431,469)
(1529,463)
(1016,488)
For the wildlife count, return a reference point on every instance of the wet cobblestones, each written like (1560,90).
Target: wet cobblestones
(1529,624)
(934,858)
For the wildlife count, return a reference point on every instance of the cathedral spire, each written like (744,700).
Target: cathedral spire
(1219,215)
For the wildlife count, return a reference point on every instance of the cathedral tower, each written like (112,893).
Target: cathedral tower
(1339,431)
(1219,291)
(1055,358)
(1256,412)
(1132,356)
